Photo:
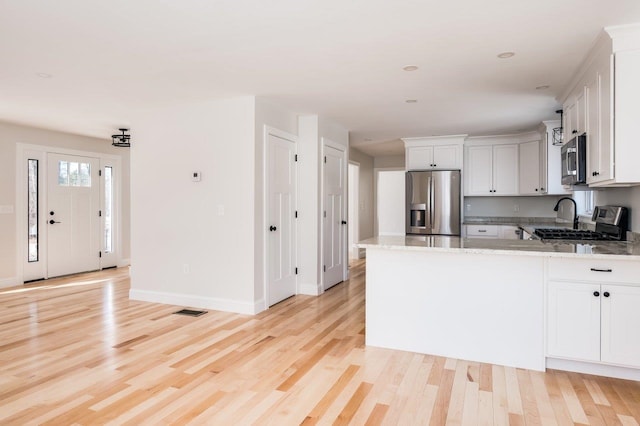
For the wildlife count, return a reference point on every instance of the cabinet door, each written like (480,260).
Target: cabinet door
(508,232)
(605,148)
(505,169)
(419,158)
(529,168)
(592,91)
(573,320)
(621,325)
(569,120)
(580,113)
(478,170)
(446,157)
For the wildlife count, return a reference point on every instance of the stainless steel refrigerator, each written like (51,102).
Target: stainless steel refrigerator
(433,202)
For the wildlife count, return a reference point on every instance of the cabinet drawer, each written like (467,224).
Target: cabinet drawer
(482,231)
(597,270)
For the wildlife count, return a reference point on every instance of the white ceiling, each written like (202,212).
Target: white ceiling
(341,59)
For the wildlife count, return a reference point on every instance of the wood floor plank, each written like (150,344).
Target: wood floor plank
(76,350)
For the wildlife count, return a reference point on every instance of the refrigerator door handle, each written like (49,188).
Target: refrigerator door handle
(432,201)
(429,204)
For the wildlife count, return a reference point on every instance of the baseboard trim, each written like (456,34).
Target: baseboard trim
(194,301)
(594,368)
(8,282)
(310,289)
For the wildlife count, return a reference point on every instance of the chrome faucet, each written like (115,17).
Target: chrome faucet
(575,210)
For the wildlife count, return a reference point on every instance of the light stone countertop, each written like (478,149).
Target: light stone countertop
(587,250)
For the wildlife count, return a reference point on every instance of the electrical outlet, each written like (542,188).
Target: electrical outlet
(516,208)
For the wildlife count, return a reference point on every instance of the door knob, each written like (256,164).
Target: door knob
(51,222)
(272,228)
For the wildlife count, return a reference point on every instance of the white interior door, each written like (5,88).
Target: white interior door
(334,221)
(73,221)
(281,190)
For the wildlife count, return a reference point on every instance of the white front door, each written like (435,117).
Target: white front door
(281,190)
(334,223)
(72,214)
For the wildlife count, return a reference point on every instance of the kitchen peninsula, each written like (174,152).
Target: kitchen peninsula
(507,302)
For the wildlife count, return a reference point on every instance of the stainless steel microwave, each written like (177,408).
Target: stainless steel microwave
(574,161)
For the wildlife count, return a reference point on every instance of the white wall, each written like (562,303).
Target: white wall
(506,206)
(626,197)
(10,135)
(389,162)
(207,226)
(390,202)
(365,217)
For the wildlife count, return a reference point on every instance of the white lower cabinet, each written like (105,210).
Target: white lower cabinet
(594,322)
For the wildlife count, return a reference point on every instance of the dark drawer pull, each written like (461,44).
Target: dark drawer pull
(601,270)
(482,230)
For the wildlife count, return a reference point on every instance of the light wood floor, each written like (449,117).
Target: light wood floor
(78,351)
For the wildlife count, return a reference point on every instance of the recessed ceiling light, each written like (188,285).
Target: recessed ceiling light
(410,68)
(411,101)
(545,87)
(43,75)
(505,55)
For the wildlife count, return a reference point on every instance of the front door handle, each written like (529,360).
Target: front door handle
(51,222)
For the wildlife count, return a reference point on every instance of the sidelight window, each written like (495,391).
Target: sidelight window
(33,213)
(108,209)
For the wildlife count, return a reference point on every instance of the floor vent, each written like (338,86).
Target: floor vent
(190,312)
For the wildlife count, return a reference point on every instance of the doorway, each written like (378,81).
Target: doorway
(354,208)
(71,211)
(390,202)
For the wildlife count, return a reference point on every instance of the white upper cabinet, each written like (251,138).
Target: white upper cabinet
(550,161)
(602,102)
(530,168)
(491,170)
(434,153)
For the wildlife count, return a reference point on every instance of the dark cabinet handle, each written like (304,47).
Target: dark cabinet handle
(541,189)
(52,212)
(606,294)
(272,228)
(574,132)
(536,189)
(435,165)
(596,293)
(601,270)
(344,222)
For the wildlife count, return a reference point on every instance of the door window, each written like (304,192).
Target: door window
(71,173)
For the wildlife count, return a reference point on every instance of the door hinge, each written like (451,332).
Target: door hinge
(325,158)
(99,172)
(324,268)
(296,214)
(325,213)
(99,254)
(296,271)
(99,213)
(295,158)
